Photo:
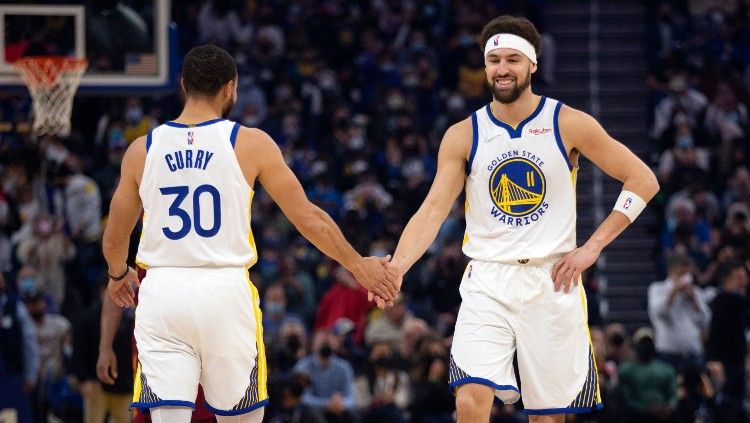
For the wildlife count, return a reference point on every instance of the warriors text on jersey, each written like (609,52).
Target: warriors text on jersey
(196,200)
(520,191)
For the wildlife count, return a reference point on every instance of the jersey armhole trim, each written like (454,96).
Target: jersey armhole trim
(233,136)
(148,141)
(474,141)
(558,138)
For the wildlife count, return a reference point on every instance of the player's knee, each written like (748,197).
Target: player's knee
(467,402)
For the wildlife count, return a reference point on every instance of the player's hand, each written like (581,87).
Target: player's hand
(106,366)
(121,291)
(566,272)
(396,271)
(372,275)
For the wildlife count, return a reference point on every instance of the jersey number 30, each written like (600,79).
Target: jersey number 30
(174,210)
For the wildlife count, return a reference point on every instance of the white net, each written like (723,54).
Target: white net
(52,83)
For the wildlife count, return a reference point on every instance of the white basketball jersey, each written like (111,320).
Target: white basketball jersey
(196,200)
(520,191)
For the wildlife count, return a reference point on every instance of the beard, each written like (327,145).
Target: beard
(509,96)
(228,108)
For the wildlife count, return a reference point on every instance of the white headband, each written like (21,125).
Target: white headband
(510,41)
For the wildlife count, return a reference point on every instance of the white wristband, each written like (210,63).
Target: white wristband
(630,204)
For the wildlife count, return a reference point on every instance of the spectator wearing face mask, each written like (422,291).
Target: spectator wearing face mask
(383,392)
(331,388)
(684,162)
(137,124)
(48,250)
(275,313)
(291,347)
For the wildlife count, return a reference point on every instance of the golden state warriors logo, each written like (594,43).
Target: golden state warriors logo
(517,187)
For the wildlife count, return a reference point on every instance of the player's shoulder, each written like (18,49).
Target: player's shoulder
(248,137)
(572,118)
(136,150)
(255,145)
(460,129)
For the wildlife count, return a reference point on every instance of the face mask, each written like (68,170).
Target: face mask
(26,285)
(133,114)
(274,308)
(356,142)
(383,362)
(45,227)
(325,351)
(293,343)
(685,142)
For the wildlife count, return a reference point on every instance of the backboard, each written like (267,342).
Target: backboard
(129,44)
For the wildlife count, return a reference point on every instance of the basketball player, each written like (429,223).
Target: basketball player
(517,159)
(198,318)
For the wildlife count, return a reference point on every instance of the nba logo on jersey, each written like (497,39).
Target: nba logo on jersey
(190,137)
(627,203)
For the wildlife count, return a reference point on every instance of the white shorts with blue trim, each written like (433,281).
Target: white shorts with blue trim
(512,309)
(200,325)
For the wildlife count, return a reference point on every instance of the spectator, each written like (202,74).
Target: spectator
(292,409)
(647,387)
(389,326)
(345,299)
(274,313)
(384,391)
(684,163)
(137,123)
(48,250)
(299,288)
(679,313)
(727,342)
(291,347)
(54,338)
(684,104)
(19,356)
(431,403)
(114,396)
(331,389)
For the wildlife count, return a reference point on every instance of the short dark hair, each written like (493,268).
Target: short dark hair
(516,25)
(679,260)
(725,270)
(206,69)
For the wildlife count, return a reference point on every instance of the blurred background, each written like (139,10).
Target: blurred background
(358,95)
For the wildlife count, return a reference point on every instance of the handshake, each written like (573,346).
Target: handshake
(382,278)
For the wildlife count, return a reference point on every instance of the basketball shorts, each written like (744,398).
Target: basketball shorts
(512,309)
(199,325)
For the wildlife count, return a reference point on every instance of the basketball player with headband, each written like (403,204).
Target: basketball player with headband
(517,159)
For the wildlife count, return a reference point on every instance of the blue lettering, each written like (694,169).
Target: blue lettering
(179,160)
(534,217)
(208,158)
(171,165)
(188,158)
(199,159)
(518,221)
(495,212)
(526,221)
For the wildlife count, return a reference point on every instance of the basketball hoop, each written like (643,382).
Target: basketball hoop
(52,82)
